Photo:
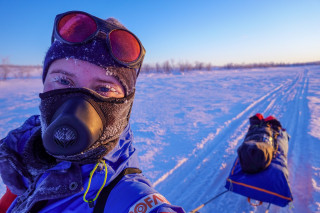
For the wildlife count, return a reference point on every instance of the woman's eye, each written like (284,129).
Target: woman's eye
(63,81)
(107,90)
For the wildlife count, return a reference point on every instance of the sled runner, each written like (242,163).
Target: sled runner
(260,171)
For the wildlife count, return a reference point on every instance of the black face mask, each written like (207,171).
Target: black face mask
(80,125)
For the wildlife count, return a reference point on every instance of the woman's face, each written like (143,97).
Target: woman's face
(73,73)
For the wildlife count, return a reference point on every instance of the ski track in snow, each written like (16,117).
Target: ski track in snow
(288,102)
(187,128)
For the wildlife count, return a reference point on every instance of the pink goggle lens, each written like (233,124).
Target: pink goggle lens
(124,46)
(76,27)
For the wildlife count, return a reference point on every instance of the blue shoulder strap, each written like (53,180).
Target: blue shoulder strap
(103,197)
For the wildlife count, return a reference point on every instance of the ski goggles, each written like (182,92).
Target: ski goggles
(77,27)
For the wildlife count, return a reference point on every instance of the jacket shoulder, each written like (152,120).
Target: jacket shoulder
(16,139)
(134,192)
(130,189)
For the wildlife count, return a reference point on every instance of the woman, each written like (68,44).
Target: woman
(77,156)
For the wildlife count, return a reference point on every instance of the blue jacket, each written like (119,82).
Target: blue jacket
(59,187)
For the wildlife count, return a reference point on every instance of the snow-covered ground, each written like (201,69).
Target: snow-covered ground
(187,128)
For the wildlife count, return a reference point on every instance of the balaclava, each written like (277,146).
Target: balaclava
(78,124)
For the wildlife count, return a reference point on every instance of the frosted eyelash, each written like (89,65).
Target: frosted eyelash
(112,89)
(58,78)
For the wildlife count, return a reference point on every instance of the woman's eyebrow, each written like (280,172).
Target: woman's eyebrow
(60,71)
(100,80)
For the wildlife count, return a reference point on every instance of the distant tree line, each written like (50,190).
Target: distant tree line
(8,70)
(265,65)
(170,66)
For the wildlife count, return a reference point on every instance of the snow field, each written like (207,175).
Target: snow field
(187,128)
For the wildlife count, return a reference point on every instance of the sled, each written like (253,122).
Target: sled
(270,185)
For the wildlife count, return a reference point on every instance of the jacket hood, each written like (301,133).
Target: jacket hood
(26,143)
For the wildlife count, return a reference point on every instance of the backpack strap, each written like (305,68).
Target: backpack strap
(103,197)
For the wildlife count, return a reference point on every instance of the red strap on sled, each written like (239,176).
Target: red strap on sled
(254,204)
(270,118)
(6,200)
(259,116)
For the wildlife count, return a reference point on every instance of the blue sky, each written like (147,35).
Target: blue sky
(217,32)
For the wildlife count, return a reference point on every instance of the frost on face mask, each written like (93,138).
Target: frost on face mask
(43,125)
(75,143)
